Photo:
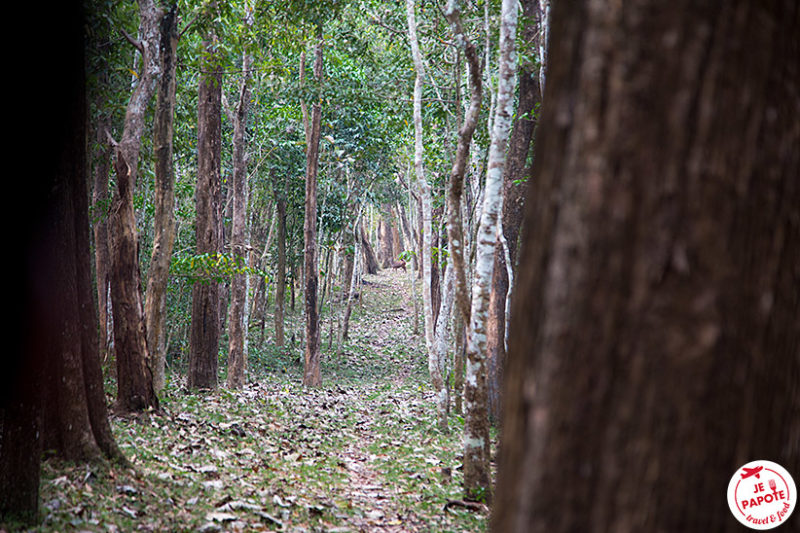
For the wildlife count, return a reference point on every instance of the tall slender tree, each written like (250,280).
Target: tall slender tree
(237,316)
(656,325)
(280,274)
(455,188)
(312,376)
(515,183)
(437,378)
(477,477)
(164,218)
(205,327)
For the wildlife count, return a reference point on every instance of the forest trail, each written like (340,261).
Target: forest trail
(359,454)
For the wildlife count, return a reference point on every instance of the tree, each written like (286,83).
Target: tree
(437,378)
(56,326)
(280,274)
(156,294)
(477,478)
(237,320)
(515,182)
(311,369)
(135,390)
(655,329)
(205,328)
(455,187)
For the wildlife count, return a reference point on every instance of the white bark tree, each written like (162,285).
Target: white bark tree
(477,478)
(437,379)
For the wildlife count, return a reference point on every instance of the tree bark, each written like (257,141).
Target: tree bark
(477,477)
(100,210)
(368,254)
(280,276)
(57,317)
(311,369)
(422,183)
(156,295)
(237,320)
(355,274)
(205,328)
(134,377)
(455,188)
(515,183)
(656,327)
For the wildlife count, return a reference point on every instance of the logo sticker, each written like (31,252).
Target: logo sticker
(762,495)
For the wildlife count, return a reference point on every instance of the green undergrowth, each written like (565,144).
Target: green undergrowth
(360,453)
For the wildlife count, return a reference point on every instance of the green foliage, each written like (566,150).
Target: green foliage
(407,255)
(207,268)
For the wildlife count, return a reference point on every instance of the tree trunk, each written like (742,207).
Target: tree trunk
(455,188)
(422,183)
(438,365)
(100,211)
(368,254)
(477,477)
(205,328)
(386,238)
(515,183)
(237,322)
(311,370)
(280,276)
(355,274)
(156,295)
(656,327)
(57,316)
(134,378)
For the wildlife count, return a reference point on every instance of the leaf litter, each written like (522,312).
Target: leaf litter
(361,453)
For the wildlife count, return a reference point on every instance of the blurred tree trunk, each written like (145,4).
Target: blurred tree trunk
(655,337)
(56,323)
(155,310)
(205,328)
(134,377)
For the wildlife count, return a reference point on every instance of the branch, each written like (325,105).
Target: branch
(136,43)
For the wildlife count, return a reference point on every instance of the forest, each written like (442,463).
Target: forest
(404,266)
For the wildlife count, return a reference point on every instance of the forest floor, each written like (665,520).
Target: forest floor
(360,453)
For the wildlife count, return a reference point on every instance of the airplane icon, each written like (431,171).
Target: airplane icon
(752,472)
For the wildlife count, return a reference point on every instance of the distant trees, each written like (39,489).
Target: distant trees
(655,331)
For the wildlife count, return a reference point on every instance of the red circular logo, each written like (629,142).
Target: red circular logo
(762,495)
